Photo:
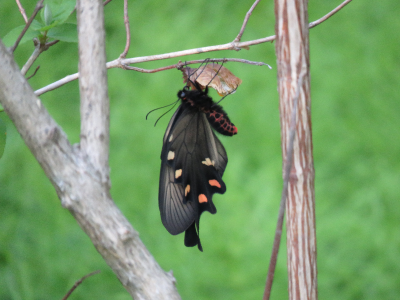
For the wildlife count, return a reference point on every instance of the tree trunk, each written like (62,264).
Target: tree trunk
(292,50)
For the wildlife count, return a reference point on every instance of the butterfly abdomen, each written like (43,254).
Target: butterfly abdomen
(220,122)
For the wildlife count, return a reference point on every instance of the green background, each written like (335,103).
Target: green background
(355,78)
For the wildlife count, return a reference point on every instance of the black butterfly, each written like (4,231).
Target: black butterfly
(193,161)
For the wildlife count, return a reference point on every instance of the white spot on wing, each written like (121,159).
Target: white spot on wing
(171,155)
(208,162)
(171,137)
(178,173)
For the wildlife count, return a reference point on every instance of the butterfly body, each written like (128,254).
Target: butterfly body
(193,161)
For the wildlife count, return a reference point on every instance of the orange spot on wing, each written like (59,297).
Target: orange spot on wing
(214,182)
(202,198)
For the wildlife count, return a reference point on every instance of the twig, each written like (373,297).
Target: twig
(32,58)
(311,25)
(75,76)
(49,44)
(39,48)
(199,61)
(57,84)
(34,73)
(128,32)
(22,11)
(78,283)
(288,167)
(319,21)
(246,19)
(38,7)
(122,63)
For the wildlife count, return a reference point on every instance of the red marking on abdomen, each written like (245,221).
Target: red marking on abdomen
(221,123)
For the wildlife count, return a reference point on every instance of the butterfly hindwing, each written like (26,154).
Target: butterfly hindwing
(193,162)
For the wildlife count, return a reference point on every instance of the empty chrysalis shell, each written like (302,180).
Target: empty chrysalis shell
(213,75)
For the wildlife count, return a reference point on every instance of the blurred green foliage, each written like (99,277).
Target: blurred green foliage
(356,133)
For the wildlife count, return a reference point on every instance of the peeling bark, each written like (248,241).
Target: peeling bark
(292,49)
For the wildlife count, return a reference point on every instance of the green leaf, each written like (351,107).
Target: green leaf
(48,27)
(63,10)
(47,15)
(3,135)
(36,25)
(12,36)
(66,32)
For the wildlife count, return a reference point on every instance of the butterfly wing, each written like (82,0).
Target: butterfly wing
(193,161)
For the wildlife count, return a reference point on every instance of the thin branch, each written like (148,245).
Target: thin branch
(78,283)
(49,44)
(32,58)
(22,11)
(122,63)
(311,25)
(34,73)
(199,61)
(128,32)
(57,84)
(246,19)
(38,7)
(75,76)
(39,48)
(106,2)
(281,216)
(319,21)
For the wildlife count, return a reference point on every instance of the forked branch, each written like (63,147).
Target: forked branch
(38,7)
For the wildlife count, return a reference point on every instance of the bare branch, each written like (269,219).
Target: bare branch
(78,283)
(246,19)
(180,64)
(319,21)
(281,215)
(34,73)
(22,11)
(39,48)
(128,32)
(49,44)
(106,2)
(311,25)
(95,110)
(57,84)
(75,76)
(123,63)
(38,7)
(32,58)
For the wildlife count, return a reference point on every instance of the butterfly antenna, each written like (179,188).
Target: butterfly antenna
(160,108)
(226,96)
(166,112)
(195,84)
(216,73)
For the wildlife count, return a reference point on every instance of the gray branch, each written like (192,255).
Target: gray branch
(80,173)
